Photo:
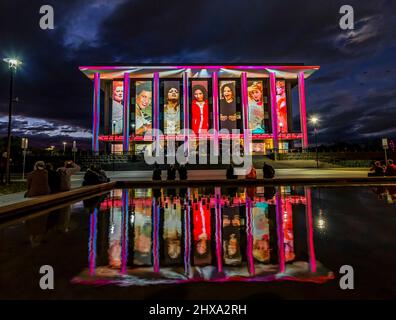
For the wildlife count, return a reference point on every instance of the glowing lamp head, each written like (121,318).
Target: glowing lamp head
(12,63)
(314,120)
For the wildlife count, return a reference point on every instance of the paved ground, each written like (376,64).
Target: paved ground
(208,174)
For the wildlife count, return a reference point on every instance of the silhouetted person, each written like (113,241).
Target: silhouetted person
(230,175)
(38,181)
(376,170)
(3,165)
(268,171)
(183,172)
(94,175)
(390,169)
(65,174)
(53,178)
(171,173)
(157,173)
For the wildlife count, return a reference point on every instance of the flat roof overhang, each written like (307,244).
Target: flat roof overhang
(284,71)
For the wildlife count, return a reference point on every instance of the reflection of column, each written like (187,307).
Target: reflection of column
(187,237)
(303,109)
(279,226)
(124,231)
(185,111)
(96,113)
(245,110)
(310,241)
(156,124)
(92,242)
(274,111)
(215,88)
(218,229)
(126,113)
(249,232)
(156,212)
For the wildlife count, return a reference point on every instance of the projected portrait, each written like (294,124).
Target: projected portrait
(228,114)
(143,109)
(200,107)
(114,252)
(172,107)
(256,107)
(231,236)
(281,106)
(117,107)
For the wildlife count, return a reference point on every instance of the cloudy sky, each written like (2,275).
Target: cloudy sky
(354,92)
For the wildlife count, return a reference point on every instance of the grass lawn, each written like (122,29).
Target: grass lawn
(13,187)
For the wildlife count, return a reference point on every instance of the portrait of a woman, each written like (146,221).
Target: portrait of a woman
(200,109)
(228,115)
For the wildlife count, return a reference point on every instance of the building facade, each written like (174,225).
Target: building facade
(134,105)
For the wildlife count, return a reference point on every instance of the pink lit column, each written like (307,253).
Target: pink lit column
(186,121)
(125,143)
(96,113)
(279,227)
(274,113)
(215,87)
(245,110)
(124,230)
(156,102)
(310,241)
(303,110)
(218,229)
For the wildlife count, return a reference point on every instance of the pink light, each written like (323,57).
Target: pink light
(302,67)
(92,242)
(249,225)
(308,212)
(96,113)
(126,113)
(245,106)
(303,108)
(279,226)
(215,87)
(274,114)
(155,236)
(156,108)
(124,234)
(187,239)
(218,229)
(185,110)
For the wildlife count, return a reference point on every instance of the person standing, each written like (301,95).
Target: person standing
(37,181)
(65,174)
(390,169)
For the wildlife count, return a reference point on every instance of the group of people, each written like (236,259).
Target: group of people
(268,172)
(44,179)
(379,169)
(170,172)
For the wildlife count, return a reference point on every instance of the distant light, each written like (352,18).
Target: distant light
(13,63)
(314,120)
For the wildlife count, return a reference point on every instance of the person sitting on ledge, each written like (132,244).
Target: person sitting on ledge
(252,174)
(65,173)
(53,178)
(171,173)
(37,181)
(157,173)
(390,169)
(183,172)
(268,171)
(376,170)
(230,175)
(94,175)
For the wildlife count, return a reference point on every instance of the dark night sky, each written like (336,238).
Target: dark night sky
(354,92)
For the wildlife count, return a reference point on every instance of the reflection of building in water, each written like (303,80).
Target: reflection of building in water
(214,237)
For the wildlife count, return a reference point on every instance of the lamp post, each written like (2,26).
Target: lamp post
(12,65)
(64,147)
(314,120)
(133,141)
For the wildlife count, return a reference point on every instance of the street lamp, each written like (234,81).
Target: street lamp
(64,147)
(314,120)
(12,66)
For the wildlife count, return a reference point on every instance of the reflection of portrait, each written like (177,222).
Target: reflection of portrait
(143,107)
(261,232)
(288,233)
(228,115)
(172,232)
(114,252)
(202,233)
(117,107)
(172,108)
(231,235)
(281,104)
(256,107)
(142,244)
(200,109)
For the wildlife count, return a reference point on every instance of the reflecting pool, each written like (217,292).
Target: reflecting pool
(292,236)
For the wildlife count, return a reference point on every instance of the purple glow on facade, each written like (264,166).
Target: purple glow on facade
(245,110)
(92,242)
(124,231)
(156,212)
(96,113)
(215,88)
(187,238)
(310,240)
(125,141)
(186,108)
(279,226)
(249,231)
(218,229)
(274,114)
(303,109)
(82,68)
(156,103)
